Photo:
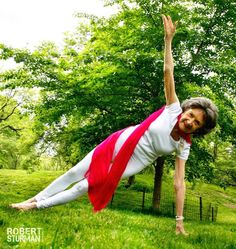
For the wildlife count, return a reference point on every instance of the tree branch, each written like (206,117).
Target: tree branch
(10,114)
(11,128)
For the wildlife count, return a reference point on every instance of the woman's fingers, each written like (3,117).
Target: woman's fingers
(169,26)
(164,19)
(168,21)
(180,230)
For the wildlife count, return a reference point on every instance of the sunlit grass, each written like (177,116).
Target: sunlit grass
(74,225)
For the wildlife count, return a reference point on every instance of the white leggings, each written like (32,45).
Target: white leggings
(57,193)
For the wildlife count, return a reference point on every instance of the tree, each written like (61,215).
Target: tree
(109,74)
(16,136)
(8,131)
(8,107)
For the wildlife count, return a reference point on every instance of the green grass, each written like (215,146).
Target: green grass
(74,225)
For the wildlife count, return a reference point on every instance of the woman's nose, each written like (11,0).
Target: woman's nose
(190,122)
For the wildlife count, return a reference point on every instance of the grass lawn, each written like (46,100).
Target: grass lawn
(75,226)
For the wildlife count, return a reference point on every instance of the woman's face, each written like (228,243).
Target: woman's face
(192,120)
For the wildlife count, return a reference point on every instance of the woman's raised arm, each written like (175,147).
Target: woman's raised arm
(169,83)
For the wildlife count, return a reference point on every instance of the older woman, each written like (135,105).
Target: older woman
(130,150)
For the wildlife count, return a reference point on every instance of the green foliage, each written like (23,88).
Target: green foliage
(16,135)
(109,74)
(225,170)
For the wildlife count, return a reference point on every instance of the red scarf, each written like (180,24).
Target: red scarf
(104,175)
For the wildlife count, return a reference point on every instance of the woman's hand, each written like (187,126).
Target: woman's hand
(169,27)
(180,228)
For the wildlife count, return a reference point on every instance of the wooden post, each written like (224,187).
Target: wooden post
(212,214)
(143,201)
(200,205)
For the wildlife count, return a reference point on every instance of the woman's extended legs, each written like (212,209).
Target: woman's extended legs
(56,193)
(57,188)
(68,195)
(60,198)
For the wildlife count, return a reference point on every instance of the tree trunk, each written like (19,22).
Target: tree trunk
(157,183)
(130,181)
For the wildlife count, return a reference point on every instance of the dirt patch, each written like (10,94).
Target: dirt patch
(227,196)
(230,205)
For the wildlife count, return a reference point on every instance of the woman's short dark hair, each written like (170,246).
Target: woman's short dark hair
(210,109)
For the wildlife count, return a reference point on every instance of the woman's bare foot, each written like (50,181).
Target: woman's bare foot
(25,206)
(29,200)
(15,205)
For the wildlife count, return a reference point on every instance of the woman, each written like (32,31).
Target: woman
(128,151)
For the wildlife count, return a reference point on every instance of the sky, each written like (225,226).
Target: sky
(26,23)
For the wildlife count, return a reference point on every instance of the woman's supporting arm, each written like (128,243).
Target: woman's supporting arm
(179,185)
(169,84)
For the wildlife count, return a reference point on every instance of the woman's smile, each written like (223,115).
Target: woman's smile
(191,120)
